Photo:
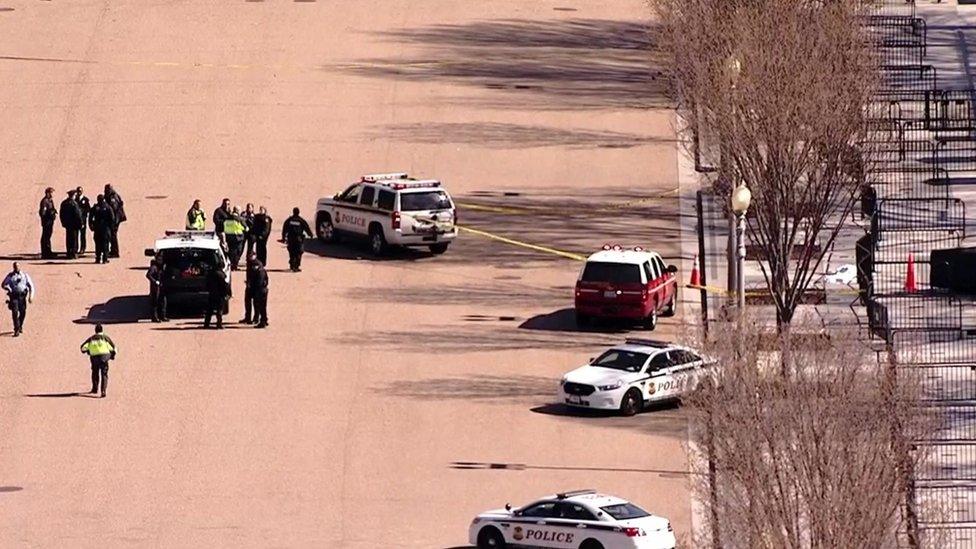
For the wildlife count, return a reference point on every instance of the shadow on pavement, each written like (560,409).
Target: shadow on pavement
(351,250)
(564,320)
(477,465)
(479,387)
(494,135)
(492,294)
(667,419)
(125,309)
(474,337)
(60,395)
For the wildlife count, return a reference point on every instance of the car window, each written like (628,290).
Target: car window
(574,511)
(661,268)
(647,271)
(352,194)
(188,262)
(386,200)
(613,273)
(428,200)
(625,511)
(545,509)
(684,357)
(659,361)
(369,193)
(621,360)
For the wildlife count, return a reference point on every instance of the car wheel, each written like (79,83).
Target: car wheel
(591,544)
(671,307)
(438,249)
(490,538)
(583,320)
(377,242)
(651,321)
(631,403)
(325,230)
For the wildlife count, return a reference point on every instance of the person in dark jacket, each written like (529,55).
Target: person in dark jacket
(261,230)
(257,284)
(217,293)
(115,202)
(102,221)
(220,215)
(248,218)
(48,214)
(293,232)
(157,295)
(71,221)
(85,205)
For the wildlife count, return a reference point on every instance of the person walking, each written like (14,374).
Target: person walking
(234,231)
(71,221)
(115,202)
(248,218)
(261,229)
(195,218)
(157,296)
(85,206)
(20,291)
(102,221)
(217,293)
(48,214)
(293,232)
(100,350)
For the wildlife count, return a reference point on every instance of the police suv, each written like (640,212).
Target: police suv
(627,377)
(583,519)
(390,209)
(187,258)
(620,283)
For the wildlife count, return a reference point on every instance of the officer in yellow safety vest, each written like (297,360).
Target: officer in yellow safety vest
(234,230)
(195,219)
(100,349)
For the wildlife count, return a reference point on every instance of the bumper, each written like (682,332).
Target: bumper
(598,400)
(656,540)
(421,239)
(630,311)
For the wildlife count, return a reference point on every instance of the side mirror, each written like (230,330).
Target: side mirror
(672,269)
(336,196)
(592,358)
(508,506)
(149,252)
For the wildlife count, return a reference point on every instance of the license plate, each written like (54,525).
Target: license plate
(574,399)
(610,294)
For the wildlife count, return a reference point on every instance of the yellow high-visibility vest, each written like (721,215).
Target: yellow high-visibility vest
(195,221)
(98,345)
(233,227)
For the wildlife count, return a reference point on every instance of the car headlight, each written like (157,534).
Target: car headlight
(612,386)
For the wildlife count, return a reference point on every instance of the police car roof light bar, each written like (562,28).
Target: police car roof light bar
(647,342)
(607,247)
(374,177)
(572,493)
(638,249)
(190,233)
(414,184)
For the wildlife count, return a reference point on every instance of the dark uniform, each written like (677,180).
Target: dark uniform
(219,216)
(157,295)
(217,293)
(71,221)
(114,201)
(48,214)
(85,206)
(100,349)
(248,219)
(293,232)
(20,290)
(256,292)
(102,221)
(261,231)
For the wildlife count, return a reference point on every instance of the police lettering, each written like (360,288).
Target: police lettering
(352,220)
(542,535)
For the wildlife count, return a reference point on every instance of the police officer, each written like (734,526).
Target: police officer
(257,284)
(195,218)
(20,291)
(115,202)
(220,215)
(248,218)
(71,221)
(102,221)
(85,206)
(234,230)
(157,295)
(100,349)
(261,231)
(293,232)
(217,293)
(48,214)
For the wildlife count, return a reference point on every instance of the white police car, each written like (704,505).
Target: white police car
(187,258)
(626,377)
(390,209)
(583,519)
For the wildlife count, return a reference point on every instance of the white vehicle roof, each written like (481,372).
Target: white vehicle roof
(649,346)
(400,181)
(628,257)
(588,497)
(206,240)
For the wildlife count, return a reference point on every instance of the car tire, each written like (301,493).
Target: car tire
(490,538)
(438,249)
(325,230)
(377,241)
(583,320)
(671,307)
(651,321)
(591,544)
(631,403)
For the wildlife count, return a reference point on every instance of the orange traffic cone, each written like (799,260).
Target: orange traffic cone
(910,275)
(695,276)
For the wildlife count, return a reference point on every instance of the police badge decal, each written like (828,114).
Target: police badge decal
(518,533)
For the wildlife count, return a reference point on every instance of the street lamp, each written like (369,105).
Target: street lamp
(741,197)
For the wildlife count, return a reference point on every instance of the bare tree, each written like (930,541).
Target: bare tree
(816,459)
(782,85)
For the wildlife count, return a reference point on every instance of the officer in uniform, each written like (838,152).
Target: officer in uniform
(234,230)
(115,202)
(293,232)
(102,221)
(85,206)
(195,218)
(156,292)
(20,291)
(261,231)
(257,282)
(100,349)
(71,221)
(217,293)
(220,215)
(248,218)
(48,214)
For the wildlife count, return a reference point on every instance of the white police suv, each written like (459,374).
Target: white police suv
(390,209)
(583,519)
(187,258)
(629,376)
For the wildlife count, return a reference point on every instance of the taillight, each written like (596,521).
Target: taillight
(395,220)
(643,295)
(454,217)
(633,532)
(578,292)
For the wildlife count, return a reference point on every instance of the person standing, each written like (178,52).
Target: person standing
(261,229)
(234,231)
(248,218)
(157,295)
(100,349)
(220,215)
(102,221)
(71,221)
(257,284)
(115,202)
(85,206)
(195,218)
(20,291)
(217,292)
(293,232)
(48,214)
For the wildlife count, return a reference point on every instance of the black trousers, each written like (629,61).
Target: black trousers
(99,368)
(47,231)
(71,242)
(295,251)
(18,310)
(261,308)
(248,304)
(158,301)
(103,241)
(235,247)
(113,248)
(214,307)
(261,249)
(83,239)
(250,244)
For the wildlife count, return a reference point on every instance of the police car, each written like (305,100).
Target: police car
(188,257)
(629,376)
(633,284)
(583,519)
(390,209)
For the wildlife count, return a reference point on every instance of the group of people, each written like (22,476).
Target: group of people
(255,295)
(77,214)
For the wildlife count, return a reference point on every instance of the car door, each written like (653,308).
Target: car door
(576,524)
(654,289)
(668,281)
(687,370)
(538,526)
(659,375)
(346,209)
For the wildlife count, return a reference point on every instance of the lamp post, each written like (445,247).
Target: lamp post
(741,197)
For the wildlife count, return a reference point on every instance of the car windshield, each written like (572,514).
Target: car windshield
(614,273)
(429,200)
(621,360)
(625,511)
(188,262)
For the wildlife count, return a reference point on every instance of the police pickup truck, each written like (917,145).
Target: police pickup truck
(187,258)
(627,377)
(583,519)
(390,209)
